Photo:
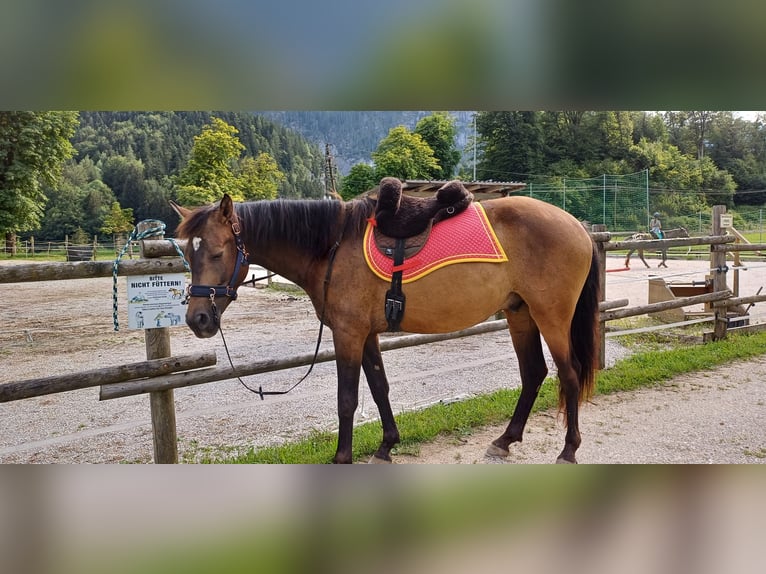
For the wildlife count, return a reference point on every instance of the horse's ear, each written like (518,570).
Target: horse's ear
(227,207)
(182,212)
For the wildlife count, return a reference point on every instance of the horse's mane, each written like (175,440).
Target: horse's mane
(308,224)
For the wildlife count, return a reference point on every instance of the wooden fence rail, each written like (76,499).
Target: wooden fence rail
(223,372)
(666,243)
(105,375)
(87,269)
(664,305)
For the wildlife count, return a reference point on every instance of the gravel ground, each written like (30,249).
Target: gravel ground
(66,326)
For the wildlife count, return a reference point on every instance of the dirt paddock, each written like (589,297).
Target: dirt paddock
(66,326)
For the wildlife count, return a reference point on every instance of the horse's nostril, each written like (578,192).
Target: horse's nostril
(202,319)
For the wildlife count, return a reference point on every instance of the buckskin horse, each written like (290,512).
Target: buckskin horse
(547,286)
(668,234)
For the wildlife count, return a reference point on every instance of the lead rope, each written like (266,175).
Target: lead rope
(135,235)
(260,392)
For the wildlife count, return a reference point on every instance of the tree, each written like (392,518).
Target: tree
(511,144)
(739,147)
(699,124)
(405,155)
(124,174)
(79,199)
(117,223)
(677,176)
(259,177)
(360,178)
(209,173)
(438,131)
(118,220)
(649,125)
(33,149)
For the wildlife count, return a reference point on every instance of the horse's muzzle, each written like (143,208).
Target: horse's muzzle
(203,323)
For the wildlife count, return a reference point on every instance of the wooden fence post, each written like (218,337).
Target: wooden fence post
(597,228)
(162,402)
(717,268)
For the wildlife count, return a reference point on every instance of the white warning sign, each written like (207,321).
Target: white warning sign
(156,300)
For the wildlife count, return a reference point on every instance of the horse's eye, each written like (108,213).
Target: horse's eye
(217,255)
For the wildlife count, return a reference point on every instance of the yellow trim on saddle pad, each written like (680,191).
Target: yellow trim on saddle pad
(465,238)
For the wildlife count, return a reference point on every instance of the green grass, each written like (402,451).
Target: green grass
(755,236)
(643,369)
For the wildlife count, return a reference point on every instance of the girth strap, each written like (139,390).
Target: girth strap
(394,297)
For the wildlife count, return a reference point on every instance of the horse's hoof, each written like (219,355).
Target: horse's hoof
(564,461)
(496,451)
(376,460)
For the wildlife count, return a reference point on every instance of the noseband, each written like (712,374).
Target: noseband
(229,290)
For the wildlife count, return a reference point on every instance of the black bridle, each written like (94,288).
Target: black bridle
(230,289)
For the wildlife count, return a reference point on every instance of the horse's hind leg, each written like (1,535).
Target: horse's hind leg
(570,388)
(641,255)
(627,259)
(529,351)
(372,363)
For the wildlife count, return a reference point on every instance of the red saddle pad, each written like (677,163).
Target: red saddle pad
(465,238)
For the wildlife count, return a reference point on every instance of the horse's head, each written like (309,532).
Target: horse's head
(218,262)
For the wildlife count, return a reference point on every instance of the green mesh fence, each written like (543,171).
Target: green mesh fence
(621,202)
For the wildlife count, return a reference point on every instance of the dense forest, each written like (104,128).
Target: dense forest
(135,158)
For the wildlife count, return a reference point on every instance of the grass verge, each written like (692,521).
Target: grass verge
(643,369)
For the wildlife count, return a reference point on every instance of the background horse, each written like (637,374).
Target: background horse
(667,234)
(549,287)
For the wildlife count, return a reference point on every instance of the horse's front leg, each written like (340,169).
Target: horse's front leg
(348,351)
(664,259)
(372,363)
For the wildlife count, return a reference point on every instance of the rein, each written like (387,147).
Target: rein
(229,290)
(260,392)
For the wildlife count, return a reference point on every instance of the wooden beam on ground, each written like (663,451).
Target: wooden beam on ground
(709,336)
(106,375)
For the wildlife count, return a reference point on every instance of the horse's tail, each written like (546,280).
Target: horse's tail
(584,333)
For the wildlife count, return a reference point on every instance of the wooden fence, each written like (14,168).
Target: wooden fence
(161,373)
(70,250)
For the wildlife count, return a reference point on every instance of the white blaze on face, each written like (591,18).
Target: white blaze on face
(195,243)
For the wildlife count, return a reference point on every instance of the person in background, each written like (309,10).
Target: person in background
(655,225)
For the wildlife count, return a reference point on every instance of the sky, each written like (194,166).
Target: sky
(749,116)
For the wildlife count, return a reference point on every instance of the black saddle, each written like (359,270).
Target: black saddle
(400,216)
